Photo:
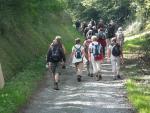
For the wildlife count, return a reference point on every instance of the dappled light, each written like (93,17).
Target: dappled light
(44,71)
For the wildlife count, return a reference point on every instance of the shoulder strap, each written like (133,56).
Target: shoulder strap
(77,48)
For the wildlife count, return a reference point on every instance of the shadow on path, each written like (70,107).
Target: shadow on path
(88,96)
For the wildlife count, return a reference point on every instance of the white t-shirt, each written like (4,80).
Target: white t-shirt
(75,60)
(91,47)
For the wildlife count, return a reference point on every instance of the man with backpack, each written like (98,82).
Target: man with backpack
(77,58)
(78,24)
(114,54)
(111,29)
(95,57)
(55,56)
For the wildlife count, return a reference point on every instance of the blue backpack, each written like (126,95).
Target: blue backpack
(96,49)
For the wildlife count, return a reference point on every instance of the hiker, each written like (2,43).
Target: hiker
(92,22)
(102,39)
(89,27)
(110,32)
(77,58)
(94,30)
(114,54)
(95,56)
(56,58)
(89,34)
(78,24)
(88,63)
(83,26)
(120,37)
(101,24)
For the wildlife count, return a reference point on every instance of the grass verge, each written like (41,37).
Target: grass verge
(19,89)
(139,95)
(138,83)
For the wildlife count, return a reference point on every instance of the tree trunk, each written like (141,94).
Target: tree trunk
(1,78)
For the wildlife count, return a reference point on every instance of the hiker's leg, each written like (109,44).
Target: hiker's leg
(91,68)
(107,42)
(53,70)
(80,69)
(76,67)
(88,67)
(113,63)
(99,74)
(56,75)
(104,51)
(94,66)
(118,67)
(95,69)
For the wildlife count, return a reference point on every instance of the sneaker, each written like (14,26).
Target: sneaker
(56,86)
(91,75)
(115,78)
(79,78)
(98,77)
(118,76)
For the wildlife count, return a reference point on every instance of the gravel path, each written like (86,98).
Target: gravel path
(88,96)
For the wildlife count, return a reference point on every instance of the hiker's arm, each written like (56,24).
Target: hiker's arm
(108,54)
(49,57)
(121,57)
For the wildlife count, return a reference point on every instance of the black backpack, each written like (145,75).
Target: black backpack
(56,53)
(116,50)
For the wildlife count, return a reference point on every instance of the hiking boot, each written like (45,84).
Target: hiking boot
(79,78)
(56,86)
(118,76)
(98,77)
(91,75)
(115,78)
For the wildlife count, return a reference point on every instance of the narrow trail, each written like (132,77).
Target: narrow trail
(88,96)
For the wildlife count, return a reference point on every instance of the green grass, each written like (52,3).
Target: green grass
(19,89)
(136,44)
(137,88)
(139,96)
(22,43)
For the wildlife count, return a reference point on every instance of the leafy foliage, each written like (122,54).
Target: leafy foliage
(119,10)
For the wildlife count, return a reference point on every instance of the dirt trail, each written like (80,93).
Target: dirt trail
(88,96)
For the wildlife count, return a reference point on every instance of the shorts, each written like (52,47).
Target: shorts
(55,67)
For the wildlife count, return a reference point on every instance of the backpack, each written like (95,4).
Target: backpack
(56,53)
(78,52)
(116,50)
(101,34)
(96,50)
